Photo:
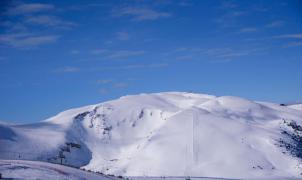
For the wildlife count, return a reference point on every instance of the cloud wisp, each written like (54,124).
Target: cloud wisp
(293,44)
(130,66)
(275,24)
(98,51)
(117,54)
(67,69)
(120,85)
(104,81)
(248,30)
(73,69)
(124,54)
(111,84)
(214,54)
(123,36)
(30,25)
(140,13)
(289,36)
(49,20)
(30,8)
(25,40)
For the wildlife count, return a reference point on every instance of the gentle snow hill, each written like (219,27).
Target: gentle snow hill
(167,134)
(296,106)
(20,169)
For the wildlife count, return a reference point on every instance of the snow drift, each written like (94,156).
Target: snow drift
(164,134)
(20,169)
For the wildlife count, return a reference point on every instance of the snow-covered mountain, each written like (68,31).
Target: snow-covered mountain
(173,133)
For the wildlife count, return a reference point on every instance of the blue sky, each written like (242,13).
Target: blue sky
(57,55)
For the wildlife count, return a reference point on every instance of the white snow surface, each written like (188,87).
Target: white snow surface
(20,169)
(166,134)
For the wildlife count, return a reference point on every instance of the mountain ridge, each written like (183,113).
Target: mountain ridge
(170,133)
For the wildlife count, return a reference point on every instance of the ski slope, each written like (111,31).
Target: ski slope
(167,134)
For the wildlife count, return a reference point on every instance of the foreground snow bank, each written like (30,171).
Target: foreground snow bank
(18,169)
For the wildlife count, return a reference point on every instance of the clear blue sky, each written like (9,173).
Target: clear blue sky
(57,55)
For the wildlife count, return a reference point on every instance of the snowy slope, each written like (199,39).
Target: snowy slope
(296,106)
(162,134)
(20,169)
